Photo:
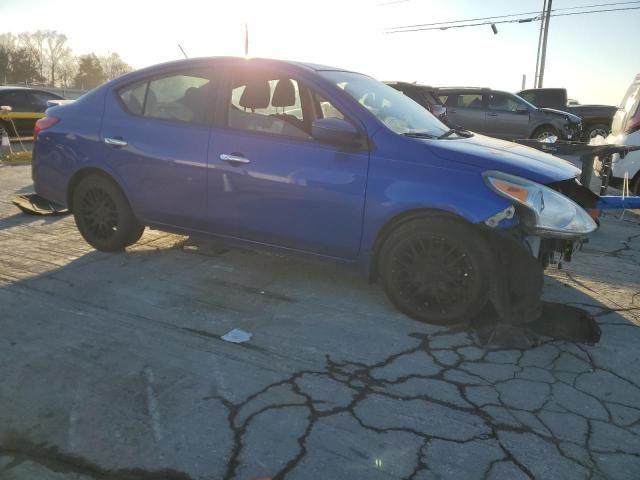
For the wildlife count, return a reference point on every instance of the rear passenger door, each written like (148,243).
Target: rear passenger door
(466,110)
(155,139)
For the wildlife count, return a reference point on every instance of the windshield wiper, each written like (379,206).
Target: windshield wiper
(459,131)
(419,135)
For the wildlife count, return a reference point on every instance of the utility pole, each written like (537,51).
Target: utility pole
(543,54)
(535,78)
(524,81)
(246,39)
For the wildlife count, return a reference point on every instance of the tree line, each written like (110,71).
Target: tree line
(44,57)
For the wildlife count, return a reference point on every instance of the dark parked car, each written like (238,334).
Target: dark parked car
(27,106)
(312,159)
(424,95)
(505,115)
(596,119)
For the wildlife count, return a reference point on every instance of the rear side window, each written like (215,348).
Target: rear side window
(470,100)
(133,97)
(17,100)
(183,97)
(39,99)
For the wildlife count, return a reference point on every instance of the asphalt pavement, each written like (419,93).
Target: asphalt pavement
(112,366)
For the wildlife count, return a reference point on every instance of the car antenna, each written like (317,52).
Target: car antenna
(183,52)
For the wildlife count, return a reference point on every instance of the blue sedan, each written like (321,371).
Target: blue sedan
(310,159)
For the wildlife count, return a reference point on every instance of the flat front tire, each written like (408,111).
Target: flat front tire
(436,270)
(103,215)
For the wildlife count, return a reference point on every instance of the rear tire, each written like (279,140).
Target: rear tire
(436,270)
(103,215)
(544,132)
(594,130)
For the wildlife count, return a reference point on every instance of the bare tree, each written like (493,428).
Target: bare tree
(56,51)
(67,71)
(113,66)
(35,43)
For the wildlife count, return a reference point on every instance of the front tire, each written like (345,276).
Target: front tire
(103,215)
(436,270)
(545,132)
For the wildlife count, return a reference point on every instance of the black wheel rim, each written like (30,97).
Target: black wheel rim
(433,276)
(99,213)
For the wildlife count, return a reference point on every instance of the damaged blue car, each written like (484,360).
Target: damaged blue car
(319,160)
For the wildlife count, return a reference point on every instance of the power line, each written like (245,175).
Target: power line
(514,20)
(507,16)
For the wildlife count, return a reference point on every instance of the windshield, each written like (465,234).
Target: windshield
(397,111)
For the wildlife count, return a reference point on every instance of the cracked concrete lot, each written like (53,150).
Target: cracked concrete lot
(111,367)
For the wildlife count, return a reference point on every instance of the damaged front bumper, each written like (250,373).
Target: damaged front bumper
(553,239)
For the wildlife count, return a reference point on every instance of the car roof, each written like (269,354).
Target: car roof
(409,84)
(479,89)
(199,60)
(5,88)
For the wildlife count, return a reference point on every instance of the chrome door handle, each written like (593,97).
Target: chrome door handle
(225,157)
(492,114)
(115,142)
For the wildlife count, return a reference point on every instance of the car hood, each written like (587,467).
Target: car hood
(492,154)
(561,113)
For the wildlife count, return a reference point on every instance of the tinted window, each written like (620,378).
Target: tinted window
(133,97)
(40,99)
(17,100)
(505,103)
(470,100)
(529,97)
(267,102)
(182,97)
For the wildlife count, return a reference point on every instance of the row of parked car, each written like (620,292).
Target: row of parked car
(535,113)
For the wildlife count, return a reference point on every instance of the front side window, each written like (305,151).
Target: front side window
(395,110)
(505,103)
(268,102)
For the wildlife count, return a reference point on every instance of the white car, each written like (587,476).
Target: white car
(625,130)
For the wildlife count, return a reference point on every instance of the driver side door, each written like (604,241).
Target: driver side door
(269,181)
(506,117)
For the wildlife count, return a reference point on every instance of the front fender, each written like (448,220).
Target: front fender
(396,188)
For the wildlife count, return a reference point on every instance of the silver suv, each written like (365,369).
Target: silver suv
(505,115)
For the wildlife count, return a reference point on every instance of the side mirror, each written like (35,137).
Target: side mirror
(522,110)
(335,131)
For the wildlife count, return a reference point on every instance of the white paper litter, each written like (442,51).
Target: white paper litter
(237,336)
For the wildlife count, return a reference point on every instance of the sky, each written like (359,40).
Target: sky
(593,56)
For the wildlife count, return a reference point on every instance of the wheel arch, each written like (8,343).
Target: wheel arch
(537,128)
(78,176)
(399,219)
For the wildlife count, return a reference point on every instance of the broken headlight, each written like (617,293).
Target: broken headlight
(546,212)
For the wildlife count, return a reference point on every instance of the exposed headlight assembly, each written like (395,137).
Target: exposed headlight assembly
(547,212)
